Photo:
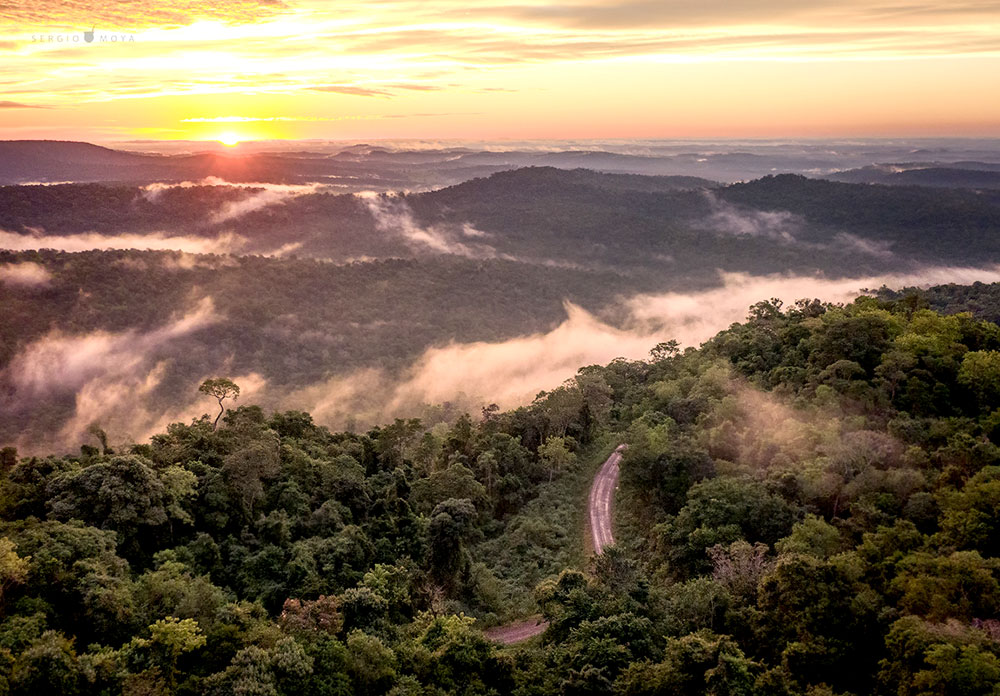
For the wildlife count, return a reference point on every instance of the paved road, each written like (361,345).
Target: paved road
(602,493)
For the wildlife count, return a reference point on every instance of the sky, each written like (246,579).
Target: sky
(517,69)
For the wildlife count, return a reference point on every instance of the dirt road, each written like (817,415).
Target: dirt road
(521,631)
(602,494)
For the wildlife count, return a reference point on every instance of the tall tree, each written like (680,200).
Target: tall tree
(220,388)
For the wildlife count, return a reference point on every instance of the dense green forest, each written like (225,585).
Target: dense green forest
(809,505)
(628,223)
(293,321)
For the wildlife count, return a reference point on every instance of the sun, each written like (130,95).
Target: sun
(229,138)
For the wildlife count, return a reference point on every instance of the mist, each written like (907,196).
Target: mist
(272,194)
(511,373)
(392,215)
(61,362)
(116,379)
(26,274)
(731,220)
(88,241)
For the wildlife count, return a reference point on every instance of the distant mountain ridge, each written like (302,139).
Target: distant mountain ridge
(627,222)
(971,175)
(416,167)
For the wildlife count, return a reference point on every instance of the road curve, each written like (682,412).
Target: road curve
(602,494)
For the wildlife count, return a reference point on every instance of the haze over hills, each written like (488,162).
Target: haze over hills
(361,304)
(972,175)
(419,165)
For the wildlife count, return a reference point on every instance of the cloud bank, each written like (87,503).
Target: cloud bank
(60,362)
(26,274)
(88,241)
(114,378)
(510,373)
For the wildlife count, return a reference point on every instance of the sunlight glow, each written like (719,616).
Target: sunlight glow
(229,138)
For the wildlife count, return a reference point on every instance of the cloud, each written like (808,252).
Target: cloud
(377,89)
(352,90)
(656,13)
(415,87)
(683,316)
(507,373)
(137,14)
(19,105)
(869,247)
(728,219)
(118,378)
(223,244)
(125,405)
(60,362)
(272,194)
(26,274)
(393,215)
(175,261)
(385,49)
(255,119)
(259,195)
(153,192)
(512,372)
(111,378)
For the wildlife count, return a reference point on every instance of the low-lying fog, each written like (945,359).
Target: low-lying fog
(111,375)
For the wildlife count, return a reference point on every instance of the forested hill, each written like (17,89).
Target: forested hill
(631,223)
(809,504)
(299,285)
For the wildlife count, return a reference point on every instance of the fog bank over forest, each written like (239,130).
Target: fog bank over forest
(120,380)
(366,282)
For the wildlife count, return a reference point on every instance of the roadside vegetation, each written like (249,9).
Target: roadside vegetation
(810,507)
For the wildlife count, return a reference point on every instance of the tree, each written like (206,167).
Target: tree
(8,459)
(447,652)
(247,467)
(665,350)
(740,566)
(980,372)
(702,663)
(124,494)
(48,666)
(451,521)
(969,517)
(961,585)
(220,388)
(169,639)
(13,568)
(556,455)
(934,659)
(812,536)
(456,481)
(370,664)
(97,431)
(321,615)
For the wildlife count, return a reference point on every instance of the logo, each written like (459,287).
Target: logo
(92,36)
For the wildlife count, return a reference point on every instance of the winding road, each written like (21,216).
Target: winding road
(602,494)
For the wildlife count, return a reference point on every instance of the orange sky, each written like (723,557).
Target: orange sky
(491,70)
